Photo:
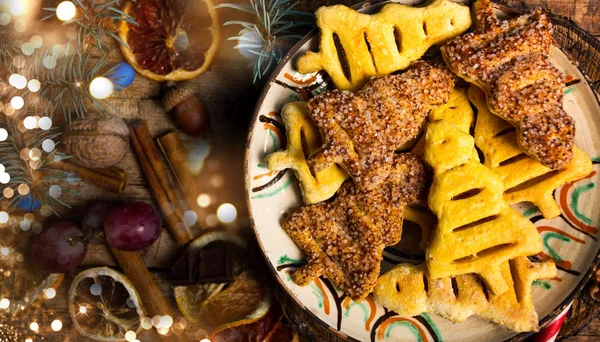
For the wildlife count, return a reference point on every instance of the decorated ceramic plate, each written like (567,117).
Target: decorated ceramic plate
(571,239)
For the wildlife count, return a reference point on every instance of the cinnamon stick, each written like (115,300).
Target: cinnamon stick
(172,148)
(113,180)
(180,231)
(152,297)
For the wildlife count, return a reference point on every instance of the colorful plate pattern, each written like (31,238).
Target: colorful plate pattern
(571,239)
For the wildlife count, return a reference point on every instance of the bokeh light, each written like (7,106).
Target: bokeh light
(3,217)
(226,213)
(34,326)
(55,191)
(130,336)
(4,303)
(17,81)
(16,7)
(34,86)
(66,11)
(17,102)
(101,88)
(49,62)
(50,293)
(45,123)
(36,41)
(30,122)
(27,49)
(4,19)
(203,200)
(56,325)
(3,134)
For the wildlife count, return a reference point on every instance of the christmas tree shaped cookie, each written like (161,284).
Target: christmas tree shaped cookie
(525,179)
(409,291)
(355,46)
(303,139)
(477,229)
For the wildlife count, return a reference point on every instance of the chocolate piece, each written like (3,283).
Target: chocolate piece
(185,270)
(215,266)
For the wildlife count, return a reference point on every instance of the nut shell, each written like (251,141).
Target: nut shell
(97,142)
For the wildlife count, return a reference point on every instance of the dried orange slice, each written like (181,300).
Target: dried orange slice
(215,307)
(104,305)
(175,40)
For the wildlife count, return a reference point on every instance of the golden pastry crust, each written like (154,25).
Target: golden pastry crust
(519,172)
(302,133)
(344,239)
(362,130)
(409,291)
(477,230)
(381,43)
(509,61)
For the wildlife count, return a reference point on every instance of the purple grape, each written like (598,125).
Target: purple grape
(92,222)
(132,227)
(59,248)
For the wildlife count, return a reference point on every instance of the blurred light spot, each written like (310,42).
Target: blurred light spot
(23,189)
(204,340)
(190,217)
(217,181)
(82,310)
(35,164)
(30,122)
(4,178)
(211,220)
(45,210)
(50,293)
(226,213)
(36,227)
(66,11)
(203,200)
(24,154)
(17,81)
(9,110)
(19,62)
(29,339)
(36,41)
(17,102)
(48,145)
(146,323)
(45,123)
(55,191)
(182,324)
(56,325)
(49,62)
(34,326)
(166,321)
(130,303)
(8,192)
(35,154)
(162,331)
(96,289)
(156,321)
(4,19)
(5,251)
(199,150)
(34,86)
(20,257)
(27,49)
(101,88)
(2,168)
(16,7)
(3,134)
(20,25)
(58,50)
(25,225)
(4,303)
(29,216)
(130,336)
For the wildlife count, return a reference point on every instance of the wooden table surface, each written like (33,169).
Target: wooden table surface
(230,96)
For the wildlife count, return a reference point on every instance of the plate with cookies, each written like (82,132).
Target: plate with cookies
(427,173)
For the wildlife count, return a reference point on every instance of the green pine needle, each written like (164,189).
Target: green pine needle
(269,39)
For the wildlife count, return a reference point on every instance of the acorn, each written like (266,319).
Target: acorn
(186,108)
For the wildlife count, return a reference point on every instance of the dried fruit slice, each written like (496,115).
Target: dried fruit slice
(24,284)
(175,40)
(104,305)
(215,307)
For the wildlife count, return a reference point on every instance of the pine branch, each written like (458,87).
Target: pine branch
(274,32)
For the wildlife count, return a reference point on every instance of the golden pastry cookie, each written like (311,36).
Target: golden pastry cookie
(409,291)
(477,229)
(457,111)
(302,133)
(344,238)
(509,61)
(525,179)
(356,46)
(362,130)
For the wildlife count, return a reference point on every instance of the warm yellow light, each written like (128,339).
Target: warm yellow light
(50,293)
(226,213)
(17,81)
(4,303)
(82,310)
(34,326)
(34,85)
(101,88)
(17,102)
(30,122)
(203,200)
(16,7)
(130,336)
(66,11)
(56,325)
